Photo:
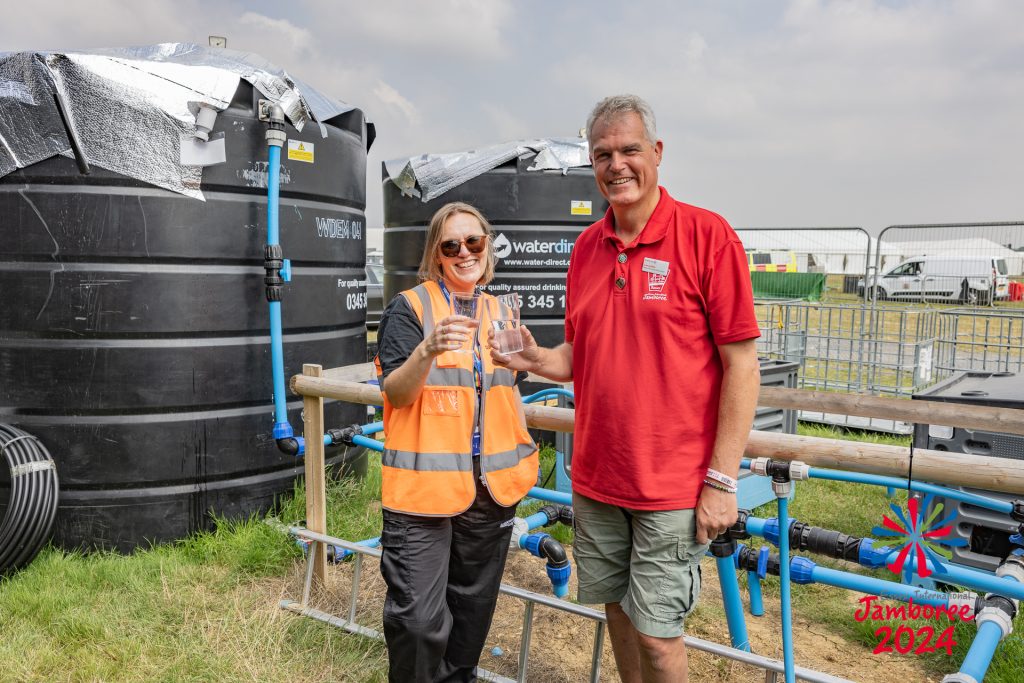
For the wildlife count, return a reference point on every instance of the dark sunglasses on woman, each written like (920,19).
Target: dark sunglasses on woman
(474,244)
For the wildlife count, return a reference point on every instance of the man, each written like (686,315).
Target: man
(659,342)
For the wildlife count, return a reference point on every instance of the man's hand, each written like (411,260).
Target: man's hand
(526,360)
(716,512)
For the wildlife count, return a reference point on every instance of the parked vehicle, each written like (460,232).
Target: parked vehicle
(968,280)
(374,294)
(772,261)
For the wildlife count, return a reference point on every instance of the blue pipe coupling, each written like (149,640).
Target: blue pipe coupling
(558,568)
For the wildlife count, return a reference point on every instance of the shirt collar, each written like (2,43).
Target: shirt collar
(656,227)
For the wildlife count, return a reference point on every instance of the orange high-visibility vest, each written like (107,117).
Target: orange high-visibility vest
(428,445)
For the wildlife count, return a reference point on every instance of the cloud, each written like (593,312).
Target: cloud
(390,97)
(266,30)
(431,30)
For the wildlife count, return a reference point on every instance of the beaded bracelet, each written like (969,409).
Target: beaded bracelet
(723,479)
(719,487)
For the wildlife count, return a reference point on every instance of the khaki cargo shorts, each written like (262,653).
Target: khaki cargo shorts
(648,561)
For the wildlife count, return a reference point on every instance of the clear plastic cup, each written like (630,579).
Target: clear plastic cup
(504,310)
(467,305)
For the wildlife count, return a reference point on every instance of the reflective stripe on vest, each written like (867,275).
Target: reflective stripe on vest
(427,460)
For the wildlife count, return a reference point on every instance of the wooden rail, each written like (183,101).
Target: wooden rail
(953,469)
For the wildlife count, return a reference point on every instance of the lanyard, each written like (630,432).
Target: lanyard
(478,370)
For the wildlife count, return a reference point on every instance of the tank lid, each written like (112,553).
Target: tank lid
(104,102)
(428,176)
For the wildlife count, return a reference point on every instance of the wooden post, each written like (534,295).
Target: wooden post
(316,485)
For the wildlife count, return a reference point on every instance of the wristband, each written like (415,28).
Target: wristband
(719,487)
(723,479)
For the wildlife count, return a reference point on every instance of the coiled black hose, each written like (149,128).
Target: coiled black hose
(32,506)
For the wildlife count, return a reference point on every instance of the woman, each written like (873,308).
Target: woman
(457,459)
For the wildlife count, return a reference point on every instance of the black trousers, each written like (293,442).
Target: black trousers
(443,575)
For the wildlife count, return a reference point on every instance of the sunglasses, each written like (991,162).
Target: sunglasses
(474,244)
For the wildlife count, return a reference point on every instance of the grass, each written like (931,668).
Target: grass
(204,609)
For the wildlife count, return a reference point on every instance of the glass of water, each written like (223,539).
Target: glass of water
(467,305)
(508,338)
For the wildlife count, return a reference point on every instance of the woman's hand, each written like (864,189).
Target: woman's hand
(450,334)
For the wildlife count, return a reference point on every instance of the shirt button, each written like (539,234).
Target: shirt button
(620,282)
(622,258)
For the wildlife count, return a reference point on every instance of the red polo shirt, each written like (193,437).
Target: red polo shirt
(644,320)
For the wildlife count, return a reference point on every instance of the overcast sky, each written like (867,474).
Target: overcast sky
(773,113)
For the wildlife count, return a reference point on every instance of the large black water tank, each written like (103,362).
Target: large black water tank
(535,226)
(134,333)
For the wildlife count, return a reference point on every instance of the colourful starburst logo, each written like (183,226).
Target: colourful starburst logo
(923,537)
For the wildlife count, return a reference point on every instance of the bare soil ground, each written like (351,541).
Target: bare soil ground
(562,643)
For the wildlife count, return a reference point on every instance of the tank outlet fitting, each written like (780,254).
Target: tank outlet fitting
(274,116)
(205,118)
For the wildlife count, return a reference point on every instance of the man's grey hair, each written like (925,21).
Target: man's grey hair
(617,105)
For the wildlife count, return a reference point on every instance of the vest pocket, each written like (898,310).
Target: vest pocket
(443,402)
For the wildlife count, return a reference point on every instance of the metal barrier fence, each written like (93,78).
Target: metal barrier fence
(886,349)
(853,348)
(965,263)
(982,340)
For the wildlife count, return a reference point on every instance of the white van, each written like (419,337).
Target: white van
(973,280)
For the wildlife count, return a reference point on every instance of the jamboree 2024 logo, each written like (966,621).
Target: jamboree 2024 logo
(921,540)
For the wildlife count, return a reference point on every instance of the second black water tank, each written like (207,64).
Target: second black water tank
(536,217)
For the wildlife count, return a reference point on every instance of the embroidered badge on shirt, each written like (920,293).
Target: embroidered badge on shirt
(656,287)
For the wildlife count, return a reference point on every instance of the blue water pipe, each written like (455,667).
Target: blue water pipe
(787,609)
(732,602)
(550,496)
(278,272)
(545,394)
(983,648)
(756,599)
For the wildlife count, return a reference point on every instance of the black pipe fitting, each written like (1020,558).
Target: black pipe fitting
(1017,513)
(748,560)
(273,261)
(724,545)
(554,552)
(344,435)
(288,446)
(566,516)
(778,470)
(1000,603)
(558,513)
(738,531)
(827,542)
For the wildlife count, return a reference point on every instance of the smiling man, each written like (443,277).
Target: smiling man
(659,342)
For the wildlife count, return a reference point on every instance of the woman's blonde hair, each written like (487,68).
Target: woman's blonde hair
(430,267)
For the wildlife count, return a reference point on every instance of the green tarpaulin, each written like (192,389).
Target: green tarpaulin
(807,286)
